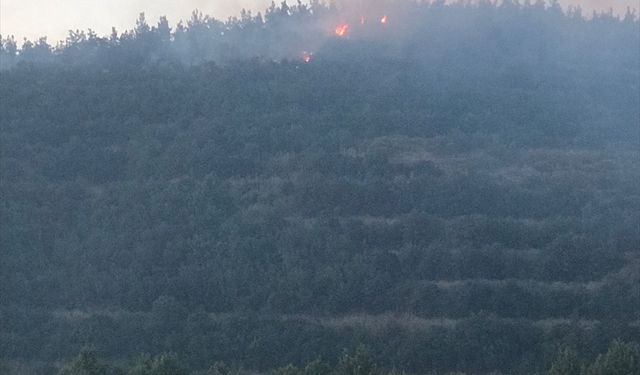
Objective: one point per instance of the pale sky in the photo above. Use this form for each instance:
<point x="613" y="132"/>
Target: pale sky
<point x="53" y="18"/>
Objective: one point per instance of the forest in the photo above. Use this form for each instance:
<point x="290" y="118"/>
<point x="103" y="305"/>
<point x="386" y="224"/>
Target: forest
<point x="419" y="188"/>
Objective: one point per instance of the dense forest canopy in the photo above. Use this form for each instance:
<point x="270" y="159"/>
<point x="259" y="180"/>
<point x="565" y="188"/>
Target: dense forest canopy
<point x="505" y="32"/>
<point x="454" y="187"/>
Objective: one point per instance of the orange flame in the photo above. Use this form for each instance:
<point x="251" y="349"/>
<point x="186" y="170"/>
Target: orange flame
<point x="341" y="30"/>
<point x="384" y="20"/>
<point x="306" y="56"/>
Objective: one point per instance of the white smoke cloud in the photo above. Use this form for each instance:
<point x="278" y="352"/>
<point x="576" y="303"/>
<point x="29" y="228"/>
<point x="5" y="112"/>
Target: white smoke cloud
<point x="35" y="18"/>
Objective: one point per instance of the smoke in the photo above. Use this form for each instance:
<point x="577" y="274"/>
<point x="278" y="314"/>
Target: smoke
<point x="35" y="18"/>
<point x="408" y="30"/>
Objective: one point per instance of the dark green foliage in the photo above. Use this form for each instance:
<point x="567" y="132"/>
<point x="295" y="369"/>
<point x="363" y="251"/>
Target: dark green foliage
<point x="85" y="364"/>
<point x="220" y="368"/>
<point x="289" y="370"/>
<point x="566" y="363"/>
<point x="620" y="359"/>
<point x="356" y="363"/>
<point x="317" y="367"/>
<point x="461" y="198"/>
<point x="163" y="364"/>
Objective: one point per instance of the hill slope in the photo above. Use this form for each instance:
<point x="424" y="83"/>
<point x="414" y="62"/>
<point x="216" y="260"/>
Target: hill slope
<point x="463" y="207"/>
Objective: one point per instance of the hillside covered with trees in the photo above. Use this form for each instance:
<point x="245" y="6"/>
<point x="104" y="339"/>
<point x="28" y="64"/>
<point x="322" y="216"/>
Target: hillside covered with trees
<point x="453" y="189"/>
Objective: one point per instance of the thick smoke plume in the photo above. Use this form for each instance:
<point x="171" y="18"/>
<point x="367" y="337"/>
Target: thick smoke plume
<point x="427" y="32"/>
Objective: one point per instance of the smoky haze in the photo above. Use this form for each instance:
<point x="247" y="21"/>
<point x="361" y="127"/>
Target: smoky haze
<point x="33" y="18"/>
<point x="460" y="181"/>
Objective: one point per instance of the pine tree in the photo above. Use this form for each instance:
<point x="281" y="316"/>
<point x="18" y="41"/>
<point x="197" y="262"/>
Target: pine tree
<point x="566" y="363"/>
<point x="618" y="360"/>
<point x="85" y="364"/>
